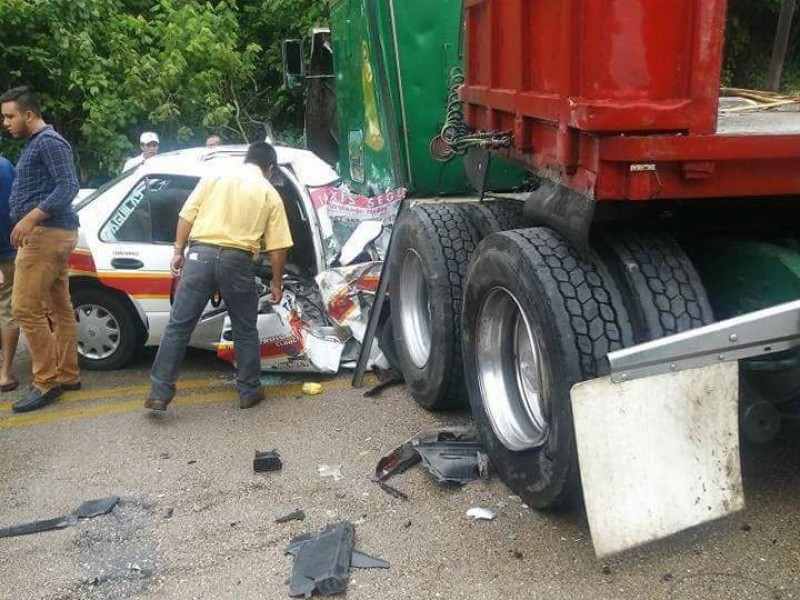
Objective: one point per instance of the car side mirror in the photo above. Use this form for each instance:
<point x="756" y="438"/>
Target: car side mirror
<point x="294" y="65"/>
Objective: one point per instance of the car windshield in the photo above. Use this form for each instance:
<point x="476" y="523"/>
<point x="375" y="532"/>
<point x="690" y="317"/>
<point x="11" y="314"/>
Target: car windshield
<point x="99" y="191"/>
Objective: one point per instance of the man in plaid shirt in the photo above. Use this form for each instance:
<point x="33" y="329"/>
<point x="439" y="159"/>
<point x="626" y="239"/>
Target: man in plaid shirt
<point x="45" y="233"/>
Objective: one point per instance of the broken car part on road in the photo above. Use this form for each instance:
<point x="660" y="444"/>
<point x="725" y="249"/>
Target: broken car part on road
<point x="87" y="510"/>
<point x="267" y="461"/>
<point x="295" y="515"/>
<point x="452" y="455"/>
<point x="322" y="562"/>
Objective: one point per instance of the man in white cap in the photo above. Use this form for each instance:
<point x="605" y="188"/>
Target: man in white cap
<point x="148" y="142"/>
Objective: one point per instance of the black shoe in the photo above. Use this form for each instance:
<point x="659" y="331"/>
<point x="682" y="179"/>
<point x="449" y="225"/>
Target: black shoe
<point x="156" y="404"/>
<point x="251" y="400"/>
<point x="71" y="387"/>
<point x="36" y="399"/>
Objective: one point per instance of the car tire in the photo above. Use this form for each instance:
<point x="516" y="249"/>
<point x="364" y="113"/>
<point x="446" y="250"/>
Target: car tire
<point x="431" y="250"/>
<point x="107" y="334"/>
<point x="537" y="319"/>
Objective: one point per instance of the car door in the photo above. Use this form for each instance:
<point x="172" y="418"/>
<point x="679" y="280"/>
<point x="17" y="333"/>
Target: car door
<point x="136" y="245"/>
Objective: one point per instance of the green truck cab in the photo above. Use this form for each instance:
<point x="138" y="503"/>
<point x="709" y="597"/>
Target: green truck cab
<point x="377" y="86"/>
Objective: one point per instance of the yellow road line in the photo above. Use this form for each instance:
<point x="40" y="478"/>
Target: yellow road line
<point x="29" y="419"/>
<point x="110" y="393"/>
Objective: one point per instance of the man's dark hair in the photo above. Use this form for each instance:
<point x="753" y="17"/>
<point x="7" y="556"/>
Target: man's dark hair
<point x="25" y="99"/>
<point x="262" y="155"/>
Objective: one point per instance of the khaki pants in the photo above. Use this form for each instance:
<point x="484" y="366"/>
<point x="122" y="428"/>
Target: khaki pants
<point x="41" y="289"/>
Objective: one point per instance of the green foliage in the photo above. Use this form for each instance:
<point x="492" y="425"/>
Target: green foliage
<point x="108" y="69"/>
<point x="750" y="35"/>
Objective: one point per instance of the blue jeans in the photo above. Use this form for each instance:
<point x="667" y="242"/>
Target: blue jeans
<point x="206" y="270"/>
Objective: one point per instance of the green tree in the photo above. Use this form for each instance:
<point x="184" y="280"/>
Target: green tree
<point x="108" y="69"/>
<point x="750" y="36"/>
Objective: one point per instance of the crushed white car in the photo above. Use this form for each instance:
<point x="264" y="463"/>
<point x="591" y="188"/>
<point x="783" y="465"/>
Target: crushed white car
<point x="121" y="284"/>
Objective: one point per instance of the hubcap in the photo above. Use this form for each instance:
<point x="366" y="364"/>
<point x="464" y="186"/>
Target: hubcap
<point x="415" y="309"/>
<point x="98" y="332"/>
<point x="510" y="373"/>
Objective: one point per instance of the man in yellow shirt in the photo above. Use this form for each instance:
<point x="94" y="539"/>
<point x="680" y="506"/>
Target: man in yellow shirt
<point x="223" y="222"/>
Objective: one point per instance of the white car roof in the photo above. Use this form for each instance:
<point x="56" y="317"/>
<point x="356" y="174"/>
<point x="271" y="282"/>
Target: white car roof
<point x="309" y="169"/>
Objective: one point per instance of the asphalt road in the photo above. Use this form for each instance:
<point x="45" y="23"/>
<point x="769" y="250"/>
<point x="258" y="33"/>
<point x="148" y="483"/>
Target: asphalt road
<point x="196" y="522"/>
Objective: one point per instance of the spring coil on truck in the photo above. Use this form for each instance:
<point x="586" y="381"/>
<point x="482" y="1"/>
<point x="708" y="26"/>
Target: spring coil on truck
<point x="455" y="137"/>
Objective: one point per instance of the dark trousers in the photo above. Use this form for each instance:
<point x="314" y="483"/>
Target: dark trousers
<point x="206" y="270"/>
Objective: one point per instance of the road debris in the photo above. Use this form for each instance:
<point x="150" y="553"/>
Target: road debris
<point x="387" y="378"/>
<point x="392" y="491"/>
<point x="311" y="388"/>
<point x="452" y="455"/>
<point x="87" y="510"/>
<point x="334" y="471"/>
<point x="295" y="515"/>
<point x="481" y="514"/>
<point x="454" y="461"/>
<point x="322" y="562"/>
<point x="267" y="461"/>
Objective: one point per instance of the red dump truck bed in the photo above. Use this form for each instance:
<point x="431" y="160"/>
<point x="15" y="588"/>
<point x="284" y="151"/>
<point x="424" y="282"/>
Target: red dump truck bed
<point x="619" y="99"/>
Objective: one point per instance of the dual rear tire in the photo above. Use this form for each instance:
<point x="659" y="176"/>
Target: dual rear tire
<point x="537" y="320"/>
<point x="511" y="322"/>
<point x="529" y="289"/>
<point x="432" y="248"/>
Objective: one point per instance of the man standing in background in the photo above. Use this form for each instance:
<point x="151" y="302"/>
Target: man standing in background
<point x="213" y="141"/>
<point x="148" y="142"/>
<point x="9" y="330"/>
<point x="45" y="233"/>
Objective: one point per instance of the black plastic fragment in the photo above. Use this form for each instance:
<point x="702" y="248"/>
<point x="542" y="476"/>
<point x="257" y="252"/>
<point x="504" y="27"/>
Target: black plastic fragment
<point x="392" y="491"/>
<point x="87" y="510"/>
<point x="397" y="461"/>
<point x="322" y="562"/>
<point x="95" y="508"/>
<point x="452" y="461"/>
<point x="388" y="379"/>
<point x="37" y="526"/>
<point x="452" y="455"/>
<point x="267" y="461"/>
<point x="361" y="560"/>
<point x="295" y="515"/>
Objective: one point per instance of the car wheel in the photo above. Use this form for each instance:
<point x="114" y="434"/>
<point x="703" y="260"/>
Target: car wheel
<point x="107" y="335"/>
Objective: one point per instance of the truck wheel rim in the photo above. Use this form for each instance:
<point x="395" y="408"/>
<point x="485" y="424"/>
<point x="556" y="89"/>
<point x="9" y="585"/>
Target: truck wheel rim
<point x="510" y="373"/>
<point x="98" y="332"/>
<point x="415" y="310"/>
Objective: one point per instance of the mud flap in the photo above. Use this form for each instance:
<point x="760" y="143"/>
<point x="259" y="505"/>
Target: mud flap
<point x="658" y="455"/>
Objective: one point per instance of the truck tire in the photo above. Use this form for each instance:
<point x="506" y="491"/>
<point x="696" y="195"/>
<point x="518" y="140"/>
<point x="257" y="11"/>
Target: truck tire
<point x="431" y="250"/>
<point x="107" y="334"/>
<point x="537" y="319"/>
<point x="661" y="289"/>
<point x="493" y="216"/>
